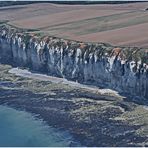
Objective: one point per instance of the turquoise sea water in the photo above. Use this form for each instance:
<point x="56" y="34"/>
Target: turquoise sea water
<point x="19" y="128"/>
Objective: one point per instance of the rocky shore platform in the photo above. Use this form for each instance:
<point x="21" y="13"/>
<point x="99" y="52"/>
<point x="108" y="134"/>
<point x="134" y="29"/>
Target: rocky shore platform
<point x="92" y="117"/>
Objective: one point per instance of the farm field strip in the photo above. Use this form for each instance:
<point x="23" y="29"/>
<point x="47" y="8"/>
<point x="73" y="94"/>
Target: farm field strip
<point x="123" y="24"/>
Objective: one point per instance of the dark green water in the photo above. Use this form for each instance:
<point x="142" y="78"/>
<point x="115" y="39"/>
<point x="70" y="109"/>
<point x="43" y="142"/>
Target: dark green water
<point x="19" y="128"/>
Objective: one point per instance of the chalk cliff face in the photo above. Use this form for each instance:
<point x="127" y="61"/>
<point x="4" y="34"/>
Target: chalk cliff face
<point x="122" y="69"/>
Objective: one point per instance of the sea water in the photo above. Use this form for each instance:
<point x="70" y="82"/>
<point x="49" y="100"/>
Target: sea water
<point x="19" y="128"/>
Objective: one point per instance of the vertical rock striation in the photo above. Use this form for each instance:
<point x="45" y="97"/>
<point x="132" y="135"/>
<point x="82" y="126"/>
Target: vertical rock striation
<point x="119" y="68"/>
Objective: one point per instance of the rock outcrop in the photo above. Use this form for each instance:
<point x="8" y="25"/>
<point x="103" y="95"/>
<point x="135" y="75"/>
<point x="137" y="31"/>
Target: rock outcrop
<point x="120" y="68"/>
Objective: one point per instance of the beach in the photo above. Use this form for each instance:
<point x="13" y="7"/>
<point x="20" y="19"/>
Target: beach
<point x="90" y="117"/>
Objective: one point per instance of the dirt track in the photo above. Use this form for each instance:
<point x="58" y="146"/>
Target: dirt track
<point x="124" y="24"/>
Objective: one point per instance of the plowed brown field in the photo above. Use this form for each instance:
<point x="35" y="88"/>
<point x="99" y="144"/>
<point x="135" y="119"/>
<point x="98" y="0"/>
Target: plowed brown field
<point x="124" y="24"/>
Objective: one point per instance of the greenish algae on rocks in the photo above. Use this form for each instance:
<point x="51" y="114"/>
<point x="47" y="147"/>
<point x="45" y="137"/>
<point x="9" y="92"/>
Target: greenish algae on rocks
<point x="92" y="118"/>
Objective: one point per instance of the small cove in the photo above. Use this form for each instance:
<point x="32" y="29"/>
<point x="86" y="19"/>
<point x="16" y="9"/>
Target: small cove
<point x="20" y="128"/>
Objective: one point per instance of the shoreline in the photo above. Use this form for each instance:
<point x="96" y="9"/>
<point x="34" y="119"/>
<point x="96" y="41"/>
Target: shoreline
<point x="27" y="74"/>
<point x="80" y="68"/>
<point x="90" y="117"/>
<point x="31" y="130"/>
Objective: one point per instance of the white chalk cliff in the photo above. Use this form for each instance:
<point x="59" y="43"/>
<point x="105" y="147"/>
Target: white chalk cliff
<point x="120" y="68"/>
